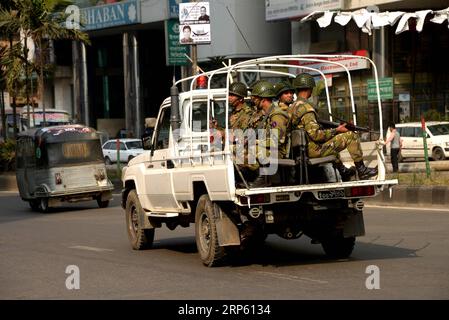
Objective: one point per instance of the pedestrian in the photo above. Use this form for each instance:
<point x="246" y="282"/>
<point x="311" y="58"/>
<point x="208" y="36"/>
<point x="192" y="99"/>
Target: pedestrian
<point x="325" y="142"/>
<point x="395" y="141"/>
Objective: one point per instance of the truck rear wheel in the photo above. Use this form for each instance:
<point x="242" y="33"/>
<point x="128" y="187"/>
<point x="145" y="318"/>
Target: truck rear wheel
<point x="338" y="247"/>
<point x="206" y="232"/>
<point x="140" y="238"/>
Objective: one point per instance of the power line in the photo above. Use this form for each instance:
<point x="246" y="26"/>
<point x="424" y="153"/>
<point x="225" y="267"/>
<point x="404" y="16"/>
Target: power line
<point x="238" y="28"/>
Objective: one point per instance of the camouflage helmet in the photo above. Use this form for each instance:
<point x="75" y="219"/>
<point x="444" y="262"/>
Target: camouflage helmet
<point x="238" y="89"/>
<point x="304" y="81"/>
<point x="283" y="86"/>
<point x="253" y="84"/>
<point x="263" y="89"/>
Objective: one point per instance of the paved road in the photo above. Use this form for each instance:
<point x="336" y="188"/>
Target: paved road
<point x="410" y="247"/>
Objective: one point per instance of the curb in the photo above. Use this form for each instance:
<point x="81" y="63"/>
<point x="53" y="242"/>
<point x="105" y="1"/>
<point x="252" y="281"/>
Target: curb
<point x="421" y="196"/>
<point x="8" y="182"/>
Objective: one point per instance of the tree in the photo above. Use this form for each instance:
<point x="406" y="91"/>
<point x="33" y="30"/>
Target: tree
<point x="42" y="21"/>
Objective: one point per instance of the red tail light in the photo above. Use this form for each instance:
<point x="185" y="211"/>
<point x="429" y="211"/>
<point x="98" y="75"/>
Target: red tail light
<point x="257" y="198"/>
<point x="362" y="191"/>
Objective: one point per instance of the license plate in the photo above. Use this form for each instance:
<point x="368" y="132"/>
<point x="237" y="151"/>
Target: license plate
<point x="331" y="194"/>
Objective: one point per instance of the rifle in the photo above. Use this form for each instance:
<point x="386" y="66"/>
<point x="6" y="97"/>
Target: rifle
<point x="350" y="126"/>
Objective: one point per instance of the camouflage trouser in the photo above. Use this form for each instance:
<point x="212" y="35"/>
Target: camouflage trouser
<point x="246" y="158"/>
<point x="348" y="140"/>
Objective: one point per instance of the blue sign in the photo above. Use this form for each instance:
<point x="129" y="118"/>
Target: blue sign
<point x="173" y="8"/>
<point x="110" y="15"/>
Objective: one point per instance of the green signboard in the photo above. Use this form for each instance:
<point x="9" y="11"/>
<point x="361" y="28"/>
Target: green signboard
<point x="175" y="52"/>
<point x="385" y="88"/>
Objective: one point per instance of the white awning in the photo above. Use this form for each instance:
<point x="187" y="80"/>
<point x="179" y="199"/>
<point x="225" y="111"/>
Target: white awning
<point x="367" y="21"/>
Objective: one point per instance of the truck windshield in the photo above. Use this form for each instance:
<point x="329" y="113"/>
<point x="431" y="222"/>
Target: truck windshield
<point x="74" y="152"/>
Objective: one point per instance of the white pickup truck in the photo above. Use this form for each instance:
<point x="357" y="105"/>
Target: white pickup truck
<point x="183" y="179"/>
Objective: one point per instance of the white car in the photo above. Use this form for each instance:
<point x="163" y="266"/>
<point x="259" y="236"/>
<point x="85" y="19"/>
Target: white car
<point x="129" y="148"/>
<point x="412" y="141"/>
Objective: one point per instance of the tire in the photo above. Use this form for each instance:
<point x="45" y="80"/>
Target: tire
<point x="107" y="161"/>
<point x="102" y="204"/>
<point x="438" y="154"/>
<point x="338" y="247"/>
<point x="139" y="238"/>
<point x="34" y="205"/>
<point x="43" y="205"/>
<point x="206" y="233"/>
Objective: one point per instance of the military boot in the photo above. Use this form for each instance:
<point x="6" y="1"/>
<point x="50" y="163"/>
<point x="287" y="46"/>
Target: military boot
<point x="345" y="173"/>
<point x="365" y="172"/>
<point x="261" y="181"/>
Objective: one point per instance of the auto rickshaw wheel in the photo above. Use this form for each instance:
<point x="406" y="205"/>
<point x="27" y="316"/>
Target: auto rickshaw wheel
<point x="43" y="205"/>
<point x="102" y="204"/>
<point x="34" y="205"/>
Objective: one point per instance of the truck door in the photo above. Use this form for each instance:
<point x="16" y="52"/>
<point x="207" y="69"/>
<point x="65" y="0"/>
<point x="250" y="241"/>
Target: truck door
<point x="158" y="176"/>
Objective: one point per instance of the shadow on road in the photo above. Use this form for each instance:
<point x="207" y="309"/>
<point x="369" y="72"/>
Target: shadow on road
<point x="278" y="252"/>
<point x="181" y="244"/>
<point x="14" y="209"/>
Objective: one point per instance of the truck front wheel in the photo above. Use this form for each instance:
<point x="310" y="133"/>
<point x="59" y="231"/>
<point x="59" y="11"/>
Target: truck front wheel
<point x="338" y="247"/>
<point x="140" y="238"/>
<point x="206" y="232"/>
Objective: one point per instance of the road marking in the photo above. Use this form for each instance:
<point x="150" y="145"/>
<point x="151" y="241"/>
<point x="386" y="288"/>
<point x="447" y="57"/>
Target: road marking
<point x="406" y="208"/>
<point x="90" y="248"/>
<point x="292" y="277"/>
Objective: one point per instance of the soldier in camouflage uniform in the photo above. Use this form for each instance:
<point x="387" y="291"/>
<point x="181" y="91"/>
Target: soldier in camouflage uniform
<point x="284" y="93"/>
<point x="241" y="112"/>
<point x="270" y="118"/>
<point x="325" y="142"/>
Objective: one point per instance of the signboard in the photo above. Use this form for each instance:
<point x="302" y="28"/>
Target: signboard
<point x="175" y="53"/>
<point x="385" y="88"/>
<point x="352" y="63"/>
<point x="287" y="9"/>
<point x="173" y="8"/>
<point x="328" y="79"/>
<point x="110" y="15"/>
<point x="194" y="23"/>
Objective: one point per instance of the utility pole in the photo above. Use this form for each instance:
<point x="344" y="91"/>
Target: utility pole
<point x="27" y="79"/>
<point x="194" y="53"/>
<point x="193" y="48"/>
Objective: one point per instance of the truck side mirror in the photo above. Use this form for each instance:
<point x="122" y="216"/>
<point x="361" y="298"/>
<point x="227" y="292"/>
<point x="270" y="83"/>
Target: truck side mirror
<point x="146" y="141"/>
